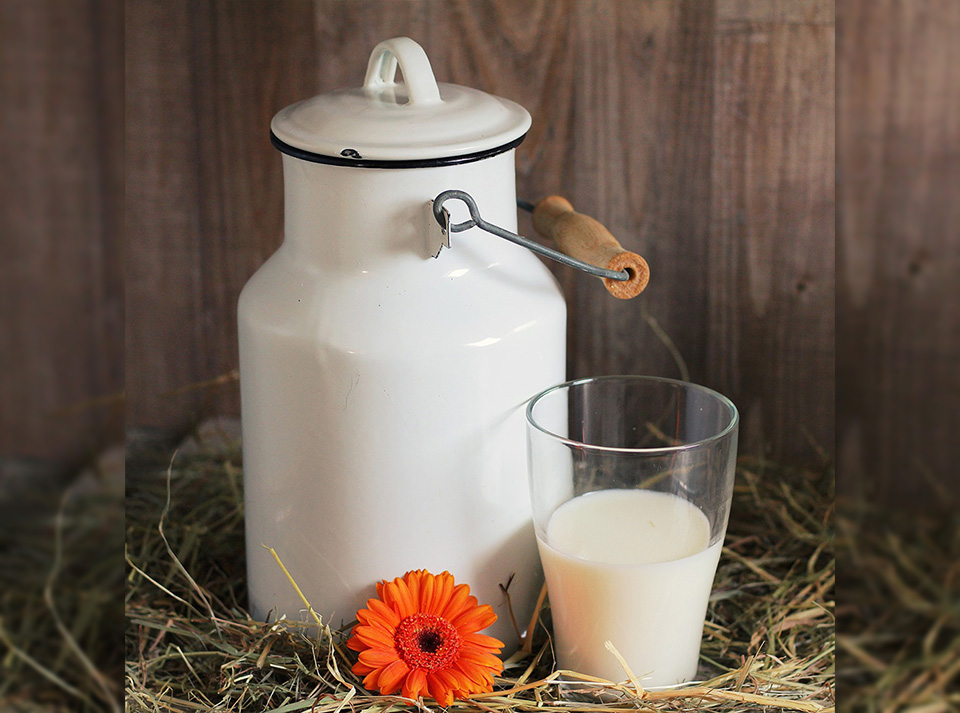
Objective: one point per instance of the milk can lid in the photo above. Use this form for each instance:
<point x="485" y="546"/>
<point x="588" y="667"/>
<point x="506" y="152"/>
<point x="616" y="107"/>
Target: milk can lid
<point x="411" y="123"/>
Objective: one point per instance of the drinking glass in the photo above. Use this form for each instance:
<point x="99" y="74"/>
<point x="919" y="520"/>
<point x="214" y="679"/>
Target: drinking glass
<point x="631" y="479"/>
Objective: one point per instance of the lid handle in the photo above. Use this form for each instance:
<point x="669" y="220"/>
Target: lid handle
<point x="417" y="73"/>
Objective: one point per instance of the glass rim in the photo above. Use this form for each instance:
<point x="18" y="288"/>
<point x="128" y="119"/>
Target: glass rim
<point x="723" y="433"/>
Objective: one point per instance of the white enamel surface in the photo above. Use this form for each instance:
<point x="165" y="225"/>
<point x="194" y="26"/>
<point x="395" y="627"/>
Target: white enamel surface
<point x="409" y="57"/>
<point x="383" y="391"/>
<point x="633" y="567"/>
<point x="407" y="120"/>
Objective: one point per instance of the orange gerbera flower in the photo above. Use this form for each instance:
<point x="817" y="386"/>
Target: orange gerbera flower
<point x="421" y="636"/>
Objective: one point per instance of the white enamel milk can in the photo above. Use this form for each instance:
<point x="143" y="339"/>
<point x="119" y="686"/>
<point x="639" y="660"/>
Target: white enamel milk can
<point x="383" y="380"/>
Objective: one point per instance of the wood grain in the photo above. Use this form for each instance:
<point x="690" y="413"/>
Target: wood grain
<point x="898" y="254"/>
<point x="637" y="115"/>
<point x="640" y="163"/>
<point x="164" y="342"/>
<point x="700" y="133"/>
<point x="771" y="253"/>
<point x="204" y="191"/>
<point x="61" y="291"/>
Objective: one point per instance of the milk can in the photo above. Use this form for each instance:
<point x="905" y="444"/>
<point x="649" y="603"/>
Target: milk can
<point x="383" y="379"/>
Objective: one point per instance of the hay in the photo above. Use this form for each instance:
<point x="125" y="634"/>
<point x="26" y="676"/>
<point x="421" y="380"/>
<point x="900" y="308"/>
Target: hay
<point x="191" y="645"/>
<point x="61" y="586"/>
<point x="900" y="613"/>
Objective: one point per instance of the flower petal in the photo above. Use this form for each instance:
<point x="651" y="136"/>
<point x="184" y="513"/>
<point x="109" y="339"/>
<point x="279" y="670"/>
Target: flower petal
<point x="439" y="690"/>
<point x="375" y="621"/>
<point x="443" y="588"/>
<point x="378" y="657"/>
<point x="477" y="678"/>
<point x="383" y="612"/>
<point x="361" y="669"/>
<point x="458" y="602"/>
<point x="427" y="583"/>
<point x="372" y="637"/>
<point x="415" y="685"/>
<point x="452" y="678"/>
<point x="413" y="581"/>
<point x="372" y="679"/>
<point x="392" y="676"/>
<point x="481" y="658"/>
<point x="475" y="619"/>
<point x="484" y="641"/>
<point x="396" y="595"/>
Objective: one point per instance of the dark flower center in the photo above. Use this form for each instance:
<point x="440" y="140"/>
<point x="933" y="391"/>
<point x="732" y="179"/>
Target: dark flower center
<point x="430" y="641"/>
<point x="427" y="641"/>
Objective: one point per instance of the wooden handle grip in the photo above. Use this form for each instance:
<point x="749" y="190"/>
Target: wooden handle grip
<point x="584" y="238"/>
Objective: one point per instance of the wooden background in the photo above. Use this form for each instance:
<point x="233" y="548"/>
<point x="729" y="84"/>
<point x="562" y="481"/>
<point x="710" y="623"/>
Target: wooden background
<point x="61" y="232"/>
<point x="701" y="132"/>
<point x="898" y="255"/>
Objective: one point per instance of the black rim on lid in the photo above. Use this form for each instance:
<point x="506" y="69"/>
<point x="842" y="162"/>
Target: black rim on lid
<point x="350" y="157"/>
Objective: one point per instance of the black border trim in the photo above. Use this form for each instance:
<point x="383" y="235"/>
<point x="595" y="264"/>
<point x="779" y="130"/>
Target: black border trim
<point x="304" y="155"/>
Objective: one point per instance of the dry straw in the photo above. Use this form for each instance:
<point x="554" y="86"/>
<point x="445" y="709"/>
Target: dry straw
<point x="768" y="644"/>
<point x="61" y="582"/>
<point x="900" y="613"/>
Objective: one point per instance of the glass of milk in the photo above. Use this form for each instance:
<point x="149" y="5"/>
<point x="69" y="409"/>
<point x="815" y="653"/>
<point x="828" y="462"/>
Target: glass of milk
<point x="631" y="479"/>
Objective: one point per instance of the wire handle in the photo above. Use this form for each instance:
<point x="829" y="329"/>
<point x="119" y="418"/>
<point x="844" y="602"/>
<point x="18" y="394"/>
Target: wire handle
<point x="575" y="233"/>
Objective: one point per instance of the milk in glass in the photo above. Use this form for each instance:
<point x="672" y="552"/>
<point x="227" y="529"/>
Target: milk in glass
<point x="634" y="567"/>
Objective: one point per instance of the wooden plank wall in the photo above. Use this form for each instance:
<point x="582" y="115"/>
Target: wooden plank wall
<point x="61" y="229"/>
<point x="899" y="250"/>
<point x="771" y="244"/>
<point x="701" y="133"/>
<point x="204" y="201"/>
